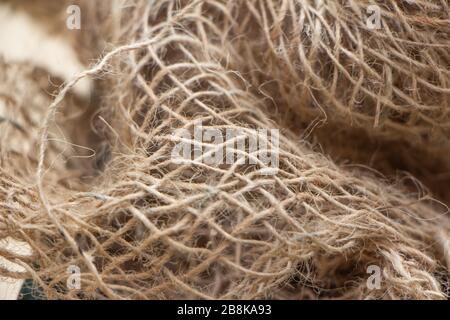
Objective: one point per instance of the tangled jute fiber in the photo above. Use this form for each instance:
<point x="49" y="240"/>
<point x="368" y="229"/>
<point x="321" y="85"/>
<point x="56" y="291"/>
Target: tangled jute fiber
<point x="325" y="70"/>
<point x="263" y="54"/>
<point x="322" y="59"/>
<point x="150" y="227"/>
<point x="395" y="159"/>
<point x="25" y="93"/>
<point x="22" y="109"/>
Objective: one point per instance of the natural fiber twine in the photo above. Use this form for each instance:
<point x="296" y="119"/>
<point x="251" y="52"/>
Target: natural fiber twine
<point x="320" y="59"/>
<point x="320" y="66"/>
<point x="25" y="94"/>
<point x="395" y="159"/>
<point x="23" y="102"/>
<point x="147" y="227"/>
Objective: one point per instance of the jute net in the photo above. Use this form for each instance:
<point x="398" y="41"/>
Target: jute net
<point x="327" y="67"/>
<point x="326" y="57"/>
<point x="147" y="226"/>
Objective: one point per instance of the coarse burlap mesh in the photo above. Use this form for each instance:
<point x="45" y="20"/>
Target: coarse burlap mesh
<point x="321" y="57"/>
<point x="147" y="226"/>
<point x="382" y="93"/>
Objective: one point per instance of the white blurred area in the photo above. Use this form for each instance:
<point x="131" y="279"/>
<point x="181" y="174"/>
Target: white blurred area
<point x="23" y="39"/>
